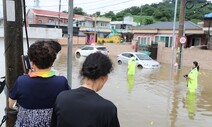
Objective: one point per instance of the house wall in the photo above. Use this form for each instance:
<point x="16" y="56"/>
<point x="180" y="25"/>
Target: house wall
<point x="88" y="24"/>
<point x="143" y="35"/>
<point x="45" y="19"/>
<point x="106" y="25"/>
<point x="189" y="55"/>
<point x="202" y="37"/>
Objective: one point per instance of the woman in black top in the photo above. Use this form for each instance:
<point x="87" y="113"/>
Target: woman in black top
<point x="83" y="107"/>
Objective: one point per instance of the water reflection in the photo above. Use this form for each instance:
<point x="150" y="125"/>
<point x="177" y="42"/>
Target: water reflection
<point x="190" y="104"/>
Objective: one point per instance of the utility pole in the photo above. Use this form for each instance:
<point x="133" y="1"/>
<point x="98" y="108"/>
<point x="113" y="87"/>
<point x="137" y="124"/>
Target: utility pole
<point x="70" y="41"/>
<point x="59" y="14"/>
<point x="95" y="30"/>
<point x="180" y="33"/>
<point x="13" y="42"/>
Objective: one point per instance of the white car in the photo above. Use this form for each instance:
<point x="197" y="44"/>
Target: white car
<point x="142" y="60"/>
<point x="88" y="49"/>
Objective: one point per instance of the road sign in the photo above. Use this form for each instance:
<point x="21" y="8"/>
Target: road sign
<point x="183" y="39"/>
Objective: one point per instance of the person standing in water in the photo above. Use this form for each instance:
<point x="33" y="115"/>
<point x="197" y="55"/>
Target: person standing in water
<point x="192" y="77"/>
<point x="131" y="65"/>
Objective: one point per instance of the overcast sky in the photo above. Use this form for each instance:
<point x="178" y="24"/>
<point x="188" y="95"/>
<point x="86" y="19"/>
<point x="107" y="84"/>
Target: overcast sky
<point x="89" y="6"/>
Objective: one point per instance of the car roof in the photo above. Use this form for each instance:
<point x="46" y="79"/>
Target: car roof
<point x="93" y="46"/>
<point x="134" y="53"/>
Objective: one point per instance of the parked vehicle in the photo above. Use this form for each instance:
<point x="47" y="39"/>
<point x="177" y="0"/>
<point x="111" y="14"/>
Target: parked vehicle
<point x="88" y="49"/>
<point x="142" y="60"/>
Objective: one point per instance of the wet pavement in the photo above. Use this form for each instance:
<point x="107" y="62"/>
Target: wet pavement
<point x="153" y="98"/>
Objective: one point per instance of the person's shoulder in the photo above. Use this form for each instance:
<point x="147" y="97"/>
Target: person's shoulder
<point x="23" y="77"/>
<point x="107" y="103"/>
<point x="60" y="78"/>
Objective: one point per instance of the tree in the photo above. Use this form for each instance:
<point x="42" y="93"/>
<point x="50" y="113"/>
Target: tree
<point x="163" y="13"/>
<point x="64" y="11"/>
<point x="120" y="16"/>
<point x="111" y="15"/>
<point x="79" y="10"/>
<point x="147" y="10"/>
<point x="98" y="13"/>
<point x="148" y="20"/>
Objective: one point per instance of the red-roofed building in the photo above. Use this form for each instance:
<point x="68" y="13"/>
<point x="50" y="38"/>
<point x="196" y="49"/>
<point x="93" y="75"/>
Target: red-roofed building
<point x="38" y="16"/>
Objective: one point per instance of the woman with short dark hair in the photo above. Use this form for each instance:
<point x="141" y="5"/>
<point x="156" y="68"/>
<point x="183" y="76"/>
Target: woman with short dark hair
<point x="36" y="92"/>
<point x="83" y="107"/>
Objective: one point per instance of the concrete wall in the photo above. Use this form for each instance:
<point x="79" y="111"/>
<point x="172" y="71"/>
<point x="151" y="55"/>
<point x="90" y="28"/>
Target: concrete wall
<point x="76" y="40"/>
<point x="203" y="57"/>
<point x="115" y="48"/>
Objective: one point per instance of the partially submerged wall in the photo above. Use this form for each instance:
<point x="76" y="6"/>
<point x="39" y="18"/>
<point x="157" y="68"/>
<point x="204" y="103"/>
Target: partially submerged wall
<point x="203" y="57"/>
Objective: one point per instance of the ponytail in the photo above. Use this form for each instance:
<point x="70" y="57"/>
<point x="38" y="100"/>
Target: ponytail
<point x="196" y="65"/>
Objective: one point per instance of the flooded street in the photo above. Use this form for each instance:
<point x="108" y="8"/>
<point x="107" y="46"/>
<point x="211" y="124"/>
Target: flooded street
<point x="153" y="98"/>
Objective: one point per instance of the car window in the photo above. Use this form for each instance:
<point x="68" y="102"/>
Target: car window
<point x="126" y="55"/>
<point x="143" y="57"/>
<point x="101" y="48"/>
<point x="90" y="48"/>
<point x="85" y="48"/>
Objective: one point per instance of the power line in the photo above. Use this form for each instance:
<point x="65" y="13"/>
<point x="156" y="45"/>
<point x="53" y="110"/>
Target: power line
<point x="113" y="4"/>
<point x="94" y="2"/>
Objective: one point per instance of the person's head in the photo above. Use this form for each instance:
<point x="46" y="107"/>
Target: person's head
<point x="56" y="46"/>
<point x="196" y="65"/>
<point x="95" y="66"/>
<point x="41" y="54"/>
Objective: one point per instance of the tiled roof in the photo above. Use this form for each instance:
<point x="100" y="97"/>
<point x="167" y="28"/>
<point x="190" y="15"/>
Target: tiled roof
<point x="53" y="13"/>
<point x="169" y="25"/>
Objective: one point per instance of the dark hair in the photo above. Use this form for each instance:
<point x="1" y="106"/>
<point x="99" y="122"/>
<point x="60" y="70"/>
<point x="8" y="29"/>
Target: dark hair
<point x="196" y="65"/>
<point x="56" y="46"/>
<point x="131" y="55"/>
<point x="42" y="54"/>
<point x="95" y="66"/>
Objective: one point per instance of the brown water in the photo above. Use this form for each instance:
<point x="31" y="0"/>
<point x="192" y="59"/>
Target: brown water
<point x="155" y="98"/>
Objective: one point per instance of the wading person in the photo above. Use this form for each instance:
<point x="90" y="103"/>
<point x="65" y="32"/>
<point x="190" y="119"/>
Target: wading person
<point x="36" y="92"/>
<point x="131" y="66"/>
<point x="192" y="77"/>
<point x="83" y="107"/>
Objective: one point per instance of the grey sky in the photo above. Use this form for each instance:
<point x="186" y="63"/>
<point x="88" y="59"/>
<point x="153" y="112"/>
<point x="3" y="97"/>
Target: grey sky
<point x="89" y="6"/>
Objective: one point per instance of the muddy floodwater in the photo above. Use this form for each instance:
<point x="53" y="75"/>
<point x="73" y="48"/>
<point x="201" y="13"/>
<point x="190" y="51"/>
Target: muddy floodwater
<point x="154" y="97"/>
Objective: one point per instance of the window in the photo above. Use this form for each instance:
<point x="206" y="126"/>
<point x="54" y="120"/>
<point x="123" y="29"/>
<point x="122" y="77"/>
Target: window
<point x="126" y="55"/>
<point x="196" y="41"/>
<point x="166" y="39"/>
<point x="82" y="23"/>
<point x="103" y="24"/>
<point x="87" y="48"/>
<point x="101" y="48"/>
<point x="143" y="57"/>
<point x="144" y="40"/>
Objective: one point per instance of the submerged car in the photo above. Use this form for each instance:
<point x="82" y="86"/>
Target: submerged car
<point x="142" y="60"/>
<point x="88" y="49"/>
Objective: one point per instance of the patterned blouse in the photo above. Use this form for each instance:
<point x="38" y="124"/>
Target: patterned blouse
<point x="33" y="117"/>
